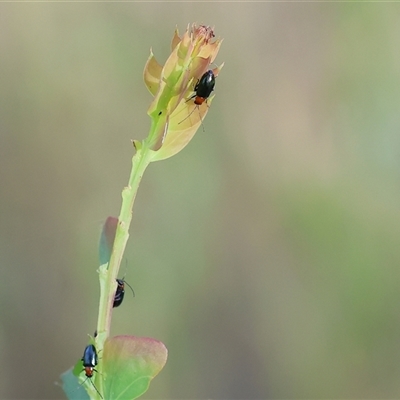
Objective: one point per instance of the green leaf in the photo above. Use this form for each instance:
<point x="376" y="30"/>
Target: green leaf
<point x="183" y="124"/>
<point x="129" y="364"/>
<point x="78" y="368"/>
<point x="71" y="386"/>
<point x="107" y="239"/>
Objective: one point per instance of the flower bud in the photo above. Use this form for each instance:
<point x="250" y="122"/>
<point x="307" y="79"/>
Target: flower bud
<point x="173" y="84"/>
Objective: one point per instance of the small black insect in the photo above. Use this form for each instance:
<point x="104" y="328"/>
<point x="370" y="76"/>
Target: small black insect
<point x="120" y="292"/>
<point x="89" y="361"/>
<point x="203" y="89"/>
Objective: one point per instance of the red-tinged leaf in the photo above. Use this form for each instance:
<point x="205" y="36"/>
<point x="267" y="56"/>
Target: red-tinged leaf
<point x="152" y="74"/>
<point x="107" y="239"/>
<point x="129" y="364"/>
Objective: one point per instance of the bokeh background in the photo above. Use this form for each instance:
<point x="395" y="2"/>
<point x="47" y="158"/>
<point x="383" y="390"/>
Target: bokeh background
<point x="265" y="255"/>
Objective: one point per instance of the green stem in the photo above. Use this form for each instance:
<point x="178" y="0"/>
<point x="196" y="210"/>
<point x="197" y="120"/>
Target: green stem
<point x="108" y="274"/>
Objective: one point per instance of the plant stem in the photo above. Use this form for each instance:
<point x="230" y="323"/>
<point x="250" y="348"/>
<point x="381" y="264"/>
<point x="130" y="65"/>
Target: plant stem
<point x="108" y="274"/>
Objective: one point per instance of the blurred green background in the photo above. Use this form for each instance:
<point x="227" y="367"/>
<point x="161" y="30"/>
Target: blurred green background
<point x="265" y="255"/>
